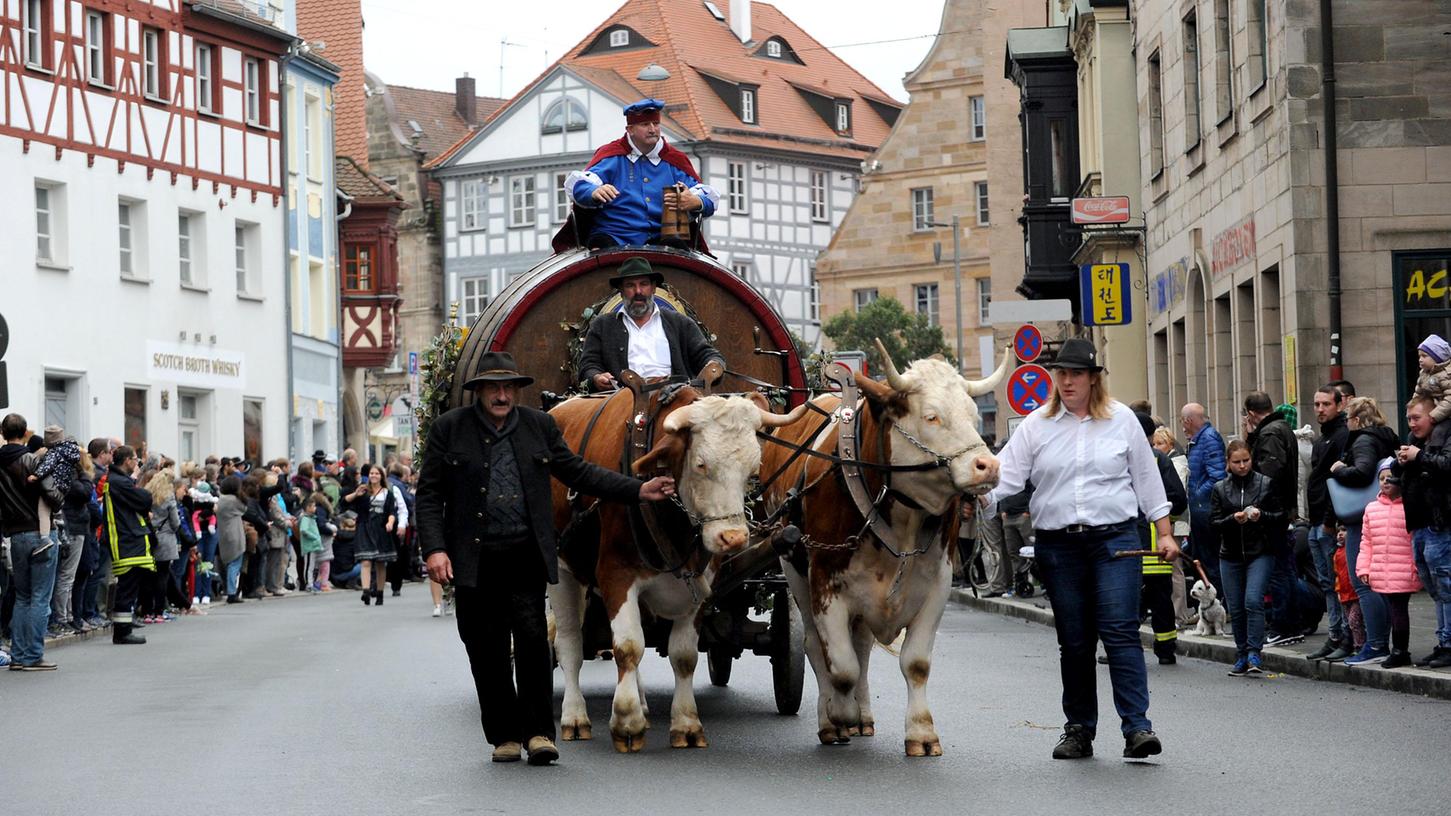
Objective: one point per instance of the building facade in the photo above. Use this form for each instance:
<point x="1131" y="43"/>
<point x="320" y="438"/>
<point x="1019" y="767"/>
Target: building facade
<point x="1259" y="207"/>
<point x="142" y="148"/>
<point x="776" y="123"/>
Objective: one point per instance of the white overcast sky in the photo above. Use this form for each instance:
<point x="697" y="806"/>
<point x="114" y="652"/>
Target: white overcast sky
<point x="427" y="43"/>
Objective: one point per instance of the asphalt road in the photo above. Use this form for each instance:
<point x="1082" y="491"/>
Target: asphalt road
<point x="322" y="705"/>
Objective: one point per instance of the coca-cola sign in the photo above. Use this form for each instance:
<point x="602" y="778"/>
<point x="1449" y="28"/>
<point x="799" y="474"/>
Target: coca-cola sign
<point x="1101" y="210"/>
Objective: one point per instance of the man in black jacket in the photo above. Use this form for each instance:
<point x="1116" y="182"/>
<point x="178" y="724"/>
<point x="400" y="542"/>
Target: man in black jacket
<point x="32" y="558"/>
<point x="1424" y="466"/>
<point x="1330" y="411"/>
<point x="641" y="336"/>
<point x="486" y="524"/>
<point x="127" y="510"/>
<point x="1276" y="454"/>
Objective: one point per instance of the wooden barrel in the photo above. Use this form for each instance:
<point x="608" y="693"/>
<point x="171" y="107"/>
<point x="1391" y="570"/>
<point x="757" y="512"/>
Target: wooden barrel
<point x="532" y="319"/>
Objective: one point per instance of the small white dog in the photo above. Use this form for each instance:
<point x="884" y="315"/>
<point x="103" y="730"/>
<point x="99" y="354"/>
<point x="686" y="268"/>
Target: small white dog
<point x="1212" y="617"/>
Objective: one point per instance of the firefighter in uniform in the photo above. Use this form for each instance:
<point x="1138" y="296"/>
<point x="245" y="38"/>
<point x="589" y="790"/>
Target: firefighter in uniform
<point x="1158" y="591"/>
<point x="127" y="508"/>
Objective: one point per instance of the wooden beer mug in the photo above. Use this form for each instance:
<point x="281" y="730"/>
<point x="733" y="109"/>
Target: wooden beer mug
<point x="675" y="222"/>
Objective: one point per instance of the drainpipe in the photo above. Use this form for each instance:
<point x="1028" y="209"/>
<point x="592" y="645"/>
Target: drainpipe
<point x="1332" y="184"/>
<point x="287" y="255"/>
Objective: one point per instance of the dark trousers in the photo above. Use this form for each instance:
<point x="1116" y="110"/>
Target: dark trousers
<point x="1204" y="546"/>
<point x="128" y="590"/>
<point x="1159" y="598"/>
<point x="509" y="601"/>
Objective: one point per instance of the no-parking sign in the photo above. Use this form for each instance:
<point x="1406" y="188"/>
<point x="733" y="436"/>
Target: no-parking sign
<point x="1028" y="342"/>
<point x="1028" y="388"/>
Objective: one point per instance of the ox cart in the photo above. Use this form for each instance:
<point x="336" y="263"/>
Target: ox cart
<point x="540" y="317"/>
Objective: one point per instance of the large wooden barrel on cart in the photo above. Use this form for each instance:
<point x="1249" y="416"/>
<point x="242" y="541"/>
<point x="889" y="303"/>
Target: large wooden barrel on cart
<point x="539" y="314"/>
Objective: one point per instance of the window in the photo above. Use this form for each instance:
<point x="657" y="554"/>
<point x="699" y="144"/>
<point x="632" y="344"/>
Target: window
<point x="979" y="117"/>
<point x="35" y="34"/>
<point x="984" y="299"/>
<point x="561" y="198"/>
<point x="358" y="268"/>
<point x="184" y="249"/>
<point x="814" y="307"/>
<point x="819" y="208"/>
<point x="566" y="114"/>
<point x="773" y="49"/>
<point x="861" y="298"/>
<point x="1257" y="65"/>
<point x="619" y="37"/>
<point x="922" y="209"/>
<point x="98" y="33"/>
<point x="1058" y="150"/>
<point x="245" y="245"/>
<point x="736" y="187"/>
<point x="57" y="402"/>
<point x="188" y="427"/>
<point x="475" y="297"/>
<point x="1223" y="67"/>
<point x="926" y="295"/>
<point x="1156" y="116"/>
<point x="748" y="106"/>
<point x="44" y="225"/>
<point x="843" y="117"/>
<point x="1191" y="81"/>
<point x="153" y="63"/>
<point x="252" y="91"/>
<point x="742" y="268"/>
<point x="313" y="136"/>
<point x="979" y="190"/>
<point x="521" y="201"/>
<point x="126" y="260"/>
<point x="134" y="421"/>
<point x="205" y="89"/>
<point x="472" y="205"/>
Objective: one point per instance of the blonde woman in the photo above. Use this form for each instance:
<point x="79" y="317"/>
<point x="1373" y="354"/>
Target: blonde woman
<point x="164" y="526"/>
<point x="1369" y="442"/>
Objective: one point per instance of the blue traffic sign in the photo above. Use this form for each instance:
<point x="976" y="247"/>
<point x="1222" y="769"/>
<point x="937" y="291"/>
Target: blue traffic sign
<point x="1028" y="343"/>
<point x="1028" y="388"/>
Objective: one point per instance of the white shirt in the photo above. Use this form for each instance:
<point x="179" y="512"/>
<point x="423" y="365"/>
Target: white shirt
<point x="635" y="154"/>
<point x="649" y="353"/>
<point x="1084" y="471"/>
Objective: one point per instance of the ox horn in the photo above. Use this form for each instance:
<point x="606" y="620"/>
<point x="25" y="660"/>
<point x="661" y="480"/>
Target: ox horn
<point x="893" y="378"/>
<point x="770" y="420"/>
<point x="976" y="388"/>
<point x="679" y="420"/>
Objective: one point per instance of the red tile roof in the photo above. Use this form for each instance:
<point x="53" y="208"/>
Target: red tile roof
<point x="685" y="33"/>
<point x="359" y="183"/>
<point x="339" y="23"/>
<point x="436" y="114"/>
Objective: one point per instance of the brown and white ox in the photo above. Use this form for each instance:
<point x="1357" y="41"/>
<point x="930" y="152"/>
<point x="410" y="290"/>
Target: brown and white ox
<point x="851" y="596"/>
<point x="709" y="444"/>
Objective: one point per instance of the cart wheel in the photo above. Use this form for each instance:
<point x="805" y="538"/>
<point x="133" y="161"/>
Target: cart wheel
<point x="788" y="653"/>
<point x="719" y="661"/>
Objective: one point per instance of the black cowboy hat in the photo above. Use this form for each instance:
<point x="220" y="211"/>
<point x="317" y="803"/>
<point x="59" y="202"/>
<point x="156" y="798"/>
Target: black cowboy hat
<point x="636" y="268"/>
<point x="497" y="366"/>
<point x="1076" y="353"/>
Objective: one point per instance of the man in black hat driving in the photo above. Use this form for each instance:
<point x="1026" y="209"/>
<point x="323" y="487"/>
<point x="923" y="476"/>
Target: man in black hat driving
<point x="485" y="524"/>
<point x="640" y="336"/>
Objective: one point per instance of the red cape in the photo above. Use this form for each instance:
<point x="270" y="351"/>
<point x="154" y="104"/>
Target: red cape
<point x="565" y="239"/>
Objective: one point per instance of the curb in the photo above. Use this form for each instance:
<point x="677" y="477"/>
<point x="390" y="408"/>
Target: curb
<point x="1408" y="680"/>
<point x="81" y="637"/>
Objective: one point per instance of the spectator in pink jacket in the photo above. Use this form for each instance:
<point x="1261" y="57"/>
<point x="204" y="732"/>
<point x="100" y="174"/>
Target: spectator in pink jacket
<point x="1387" y="561"/>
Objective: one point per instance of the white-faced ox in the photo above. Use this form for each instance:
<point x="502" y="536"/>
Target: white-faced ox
<point x="857" y="583"/>
<point x="709" y="444"/>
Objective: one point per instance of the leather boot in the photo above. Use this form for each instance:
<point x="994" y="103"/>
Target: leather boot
<point x="378" y="597"/>
<point x="123" y="634"/>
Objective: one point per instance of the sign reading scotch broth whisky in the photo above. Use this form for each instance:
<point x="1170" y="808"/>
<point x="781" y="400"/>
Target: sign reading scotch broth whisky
<point x="194" y="365"/>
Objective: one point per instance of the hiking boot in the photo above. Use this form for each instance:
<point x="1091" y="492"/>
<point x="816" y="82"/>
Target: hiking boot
<point x="1330" y="645"/>
<point x="1367" y="656"/>
<point x="1442" y="660"/>
<point x="1435" y="653"/>
<point x="542" y="751"/>
<point x="1341" y="652"/>
<point x="1240" y="667"/>
<point x="1074" y="744"/>
<point x="507" y="752"/>
<point x="1398" y="658"/>
<point x="1141" y="745"/>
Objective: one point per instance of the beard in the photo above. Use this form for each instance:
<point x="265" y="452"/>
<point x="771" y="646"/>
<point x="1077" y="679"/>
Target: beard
<point x="639" y="308"/>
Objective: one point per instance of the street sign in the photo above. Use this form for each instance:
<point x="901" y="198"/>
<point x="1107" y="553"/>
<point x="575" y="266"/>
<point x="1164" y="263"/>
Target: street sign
<point x="1028" y="388"/>
<point x="1029" y="311"/>
<point x="413" y="364"/>
<point x="1028" y="343"/>
<point x="1105" y="292"/>
<point x="1101" y="210"/>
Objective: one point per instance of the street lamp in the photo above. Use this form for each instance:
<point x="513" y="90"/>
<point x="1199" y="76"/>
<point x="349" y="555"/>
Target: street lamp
<point x="956" y="277"/>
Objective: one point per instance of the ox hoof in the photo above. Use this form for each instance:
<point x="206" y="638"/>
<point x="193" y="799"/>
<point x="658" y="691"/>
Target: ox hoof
<point x="629" y="744"/>
<point x="688" y="738"/>
<point x="579" y="731"/>
<point x="833" y="736"/>
<point x="868" y="730"/>
<point x="917" y="748"/>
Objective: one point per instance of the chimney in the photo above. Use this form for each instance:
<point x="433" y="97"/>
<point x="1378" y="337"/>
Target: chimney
<point x="741" y="19"/>
<point x="465" y="101"/>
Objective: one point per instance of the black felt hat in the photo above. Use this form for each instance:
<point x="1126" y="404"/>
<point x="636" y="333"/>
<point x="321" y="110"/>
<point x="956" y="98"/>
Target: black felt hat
<point x="1077" y="353"/>
<point x="636" y="268"/>
<point x="497" y="366"/>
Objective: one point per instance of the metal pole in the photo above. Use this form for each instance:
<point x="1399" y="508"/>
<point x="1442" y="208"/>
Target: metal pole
<point x="957" y="284"/>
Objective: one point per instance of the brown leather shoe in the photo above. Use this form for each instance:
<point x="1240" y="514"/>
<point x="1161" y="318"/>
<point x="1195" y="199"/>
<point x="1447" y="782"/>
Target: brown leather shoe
<point x="542" y="751"/>
<point x="507" y="752"/>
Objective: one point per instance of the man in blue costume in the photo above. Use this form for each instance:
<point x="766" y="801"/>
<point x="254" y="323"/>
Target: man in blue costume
<point x="631" y="181"/>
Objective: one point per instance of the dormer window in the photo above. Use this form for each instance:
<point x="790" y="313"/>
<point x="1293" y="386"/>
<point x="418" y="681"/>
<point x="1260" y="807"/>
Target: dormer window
<point x="619" y="37"/>
<point x="777" y="48"/>
<point x="773" y="49"/>
<point x="748" y="106"/>
<point x="565" y="114"/>
<point x="843" y="117"/>
<point x="615" y="38"/>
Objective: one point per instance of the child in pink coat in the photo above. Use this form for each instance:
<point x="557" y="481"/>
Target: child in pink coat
<point x="1387" y="561"/>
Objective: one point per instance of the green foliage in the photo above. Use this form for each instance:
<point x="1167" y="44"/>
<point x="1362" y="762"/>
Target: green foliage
<point x="435" y="380"/>
<point x="906" y="336"/>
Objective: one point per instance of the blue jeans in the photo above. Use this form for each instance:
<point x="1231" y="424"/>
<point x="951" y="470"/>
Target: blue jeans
<point x="1372" y="606"/>
<point x="34" y="582"/>
<point x="1433" y="563"/>
<point x="1322" y="550"/>
<point x="1096" y="597"/>
<point x="234" y="574"/>
<point x="1244" y="598"/>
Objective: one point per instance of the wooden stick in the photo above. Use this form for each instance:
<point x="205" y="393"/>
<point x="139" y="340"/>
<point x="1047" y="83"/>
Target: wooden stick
<point x="1136" y="554"/>
<point x="1200" y="567"/>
